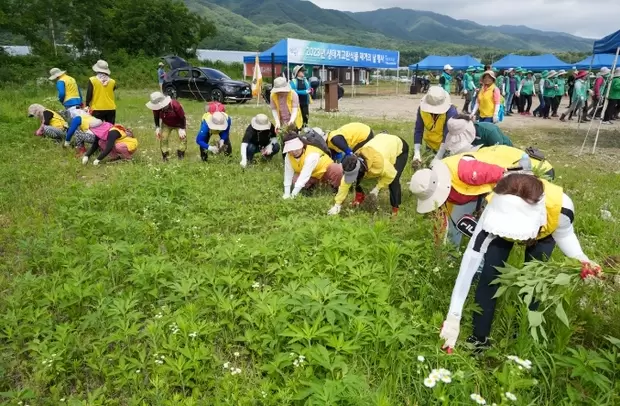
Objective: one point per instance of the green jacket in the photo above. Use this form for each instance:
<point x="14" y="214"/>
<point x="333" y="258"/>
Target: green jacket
<point x="499" y="82"/>
<point x="488" y="134"/>
<point x="527" y="86"/>
<point x="561" y="82"/>
<point x="549" y="89"/>
<point x="468" y="82"/>
<point x="447" y="82"/>
<point x="614" y="91"/>
<point x="477" y="79"/>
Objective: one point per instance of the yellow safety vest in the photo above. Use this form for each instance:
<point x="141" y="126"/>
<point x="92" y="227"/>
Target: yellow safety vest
<point x="57" y="121"/>
<point x="433" y="129"/>
<point x="299" y="122"/>
<point x="319" y="170"/>
<point x="132" y="143"/>
<point x="486" y="102"/>
<point x="500" y="155"/>
<point x="86" y="120"/>
<point x="553" y="204"/>
<point x="103" y="96"/>
<point x="353" y="133"/>
<point x="71" y="87"/>
<point x="207" y="116"/>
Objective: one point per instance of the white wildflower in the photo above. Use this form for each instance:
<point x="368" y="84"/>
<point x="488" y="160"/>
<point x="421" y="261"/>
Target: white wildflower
<point x="159" y="315"/>
<point x="446" y="379"/>
<point x="430" y="382"/>
<point x="62" y="400"/>
<point x="478" y="399"/>
<point x="226" y="365"/>
<point x="435" y="375"/>
<point x="256" y="285"/>
<point x="236" y="354"/>
<point x="193" y="334"/>
<point x="421" y="358"/>
<point x="292" y="354"/>
<point x="137" y="371"/>
<point x="510" y="396"/>
<point x="264" y="394"/>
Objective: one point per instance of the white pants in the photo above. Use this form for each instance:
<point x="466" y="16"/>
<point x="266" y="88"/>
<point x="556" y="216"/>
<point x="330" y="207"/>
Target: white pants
<point x="75" y="111"/>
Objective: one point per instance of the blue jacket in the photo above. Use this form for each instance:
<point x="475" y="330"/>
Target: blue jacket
<point x="75" y="102"/>
<point x="76" y="122"/>
<point x="204" y="135"/>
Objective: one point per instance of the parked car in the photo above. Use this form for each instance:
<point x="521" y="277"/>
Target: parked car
<point x="207" y="84"/>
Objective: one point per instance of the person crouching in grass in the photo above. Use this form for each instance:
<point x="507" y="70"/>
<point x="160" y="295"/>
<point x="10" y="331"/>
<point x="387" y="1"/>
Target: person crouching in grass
<point x="218" y="124"/>
<point x="115" y="141"/>
<point x="260" y="136"/>
<point x="305" y="166"/>
<point x="53" y="125"/>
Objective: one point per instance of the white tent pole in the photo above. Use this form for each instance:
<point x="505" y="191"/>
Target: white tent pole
<point x="595" y="109"/>
<point x="321" y="84"/>
<point x="377" y="79"/>
<point x="352" y="81"/>
<point x="605" y="105"/>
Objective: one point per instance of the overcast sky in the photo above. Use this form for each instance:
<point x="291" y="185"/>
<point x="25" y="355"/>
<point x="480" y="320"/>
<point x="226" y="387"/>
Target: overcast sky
<point x="585" y="18"/>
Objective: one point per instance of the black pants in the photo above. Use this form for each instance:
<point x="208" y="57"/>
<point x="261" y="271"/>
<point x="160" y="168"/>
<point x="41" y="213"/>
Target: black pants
<point x="526" y="100"/>
<point x="596" y="109"/>
<point x="399" y="165"/>
<point x="558" y="101"/>
<point x="497" y="254"/>
<point x="518" y="101"/>
<point x="108" y="116"/>
<point x="305" y="113"/>
<point x="548" y="106"/>
<point x="467" y="102"/>
<point x="611" y="110"/>
<point x="228" y="152"/>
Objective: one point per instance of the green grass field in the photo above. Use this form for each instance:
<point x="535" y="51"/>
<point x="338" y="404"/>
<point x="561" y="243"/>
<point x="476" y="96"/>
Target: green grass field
<point x="195" y="284"/>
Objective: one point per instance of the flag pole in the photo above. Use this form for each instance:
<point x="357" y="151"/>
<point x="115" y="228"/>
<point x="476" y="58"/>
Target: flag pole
<point x="257" y="70"/>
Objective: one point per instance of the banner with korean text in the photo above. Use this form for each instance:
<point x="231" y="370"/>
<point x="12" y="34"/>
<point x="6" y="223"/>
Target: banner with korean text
<point x="320" y="53"/>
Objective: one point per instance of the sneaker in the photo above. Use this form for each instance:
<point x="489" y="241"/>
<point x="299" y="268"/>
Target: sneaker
<point x="478" y="345"/>
<point x="607" y="122"/>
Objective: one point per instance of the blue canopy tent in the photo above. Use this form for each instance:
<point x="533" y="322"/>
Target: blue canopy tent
<point x="279" y="50"/>
<point x="436" y="62"/>
<point x="536" y="63"/>
<point x="596" y="61"/>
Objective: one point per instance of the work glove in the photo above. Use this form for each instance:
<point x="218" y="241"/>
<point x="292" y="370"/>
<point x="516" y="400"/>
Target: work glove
<point x="504" y="93"/>
<point x="417" y="156"/>
<point x="295" y="192"/>
<point x="465" y="91"/>
<point x="495" y="119"/>
<point x="334" y="210"/>
<point x="182" y="134"/>
<point x="268" y="150"/>
<point x="590" y="269"/>
<point x="67" y="144"/>
<point x="374" y="192"/>
<point x="158" y="133"/>
<point x="214" y="149"/>
<point x="84" y="160"/>
<point x="244" y="163"/>
<point x="450" y="332"/>
<point x="287" y="196"/>
<point x="96" y="162"/>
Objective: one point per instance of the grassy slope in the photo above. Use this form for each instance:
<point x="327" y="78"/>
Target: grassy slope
<point x="91" y="255"/>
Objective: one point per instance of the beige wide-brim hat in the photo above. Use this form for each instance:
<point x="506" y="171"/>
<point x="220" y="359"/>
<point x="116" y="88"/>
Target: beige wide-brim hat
<point x="431" y="187"/>
<point x="293" y="145"/>
<point x="436" y="101"/>
<point x="617" y="72"/>
<point x="55" y="73"/>
<point x="101" y="67"/>
<point x="490" y="73"/>
<point x="280" y="85"/>
<point x="217" y="121"/>
<point x="552" y="74"/>
<point x="297" y="69"/>
<point x="509" y="216"/>
<point x="561" y="72"/>
<point x="261" y="122"/>
<point x="158" y="101"/>
<point x="461" y="134"/>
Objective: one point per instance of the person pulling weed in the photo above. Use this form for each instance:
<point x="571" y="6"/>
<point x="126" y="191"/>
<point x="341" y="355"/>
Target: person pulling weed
<point x="53" y="125"/>
<point x="218" y="124"/>
<point x="260" y="136"/>
<point x="170" y="115"/>
<point x="465" y="135"/>
<point x="81" y="127"/>
<point x="114" y="140"/>
<point x="348" y="139"/>
<point x="305" y="166"/>
<point x="523" y="209"/>
<point x="458" y="184"/>
<point x="384" y="157"/>
<point x="69" y="93"/>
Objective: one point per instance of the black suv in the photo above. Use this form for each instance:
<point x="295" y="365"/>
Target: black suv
<point x="207" y="84"/>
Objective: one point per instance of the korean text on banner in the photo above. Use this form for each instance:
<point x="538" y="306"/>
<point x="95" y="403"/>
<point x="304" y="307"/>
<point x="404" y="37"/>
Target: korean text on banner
<point x="320" y="53"/>
<point x="257" y="79"/>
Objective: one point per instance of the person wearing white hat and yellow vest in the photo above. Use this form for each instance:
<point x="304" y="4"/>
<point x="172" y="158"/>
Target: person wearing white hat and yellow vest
<point x="523" y="209"/>
<point x="69" y="93"/>
<point x="348" y="138"/>
<point x="465" y="135"/>
<point x="218" y="124"/>
<point x="384" y="157"/>
<point x="458" y="184"/>
<point x="431" y="125"/>
<point x="53" y="125"/>
<point x="81" y="127"/>
<point x="285" y="106"/>
<point x="305" y="166"/>
<point x="489" y="100"/>
<point x="100" y="97"/>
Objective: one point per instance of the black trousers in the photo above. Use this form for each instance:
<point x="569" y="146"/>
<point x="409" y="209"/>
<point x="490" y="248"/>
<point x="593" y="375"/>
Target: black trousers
<point x="305" y="113"/>
<point x="228" y="152"/>
<point x="611" y="110"/>
<point x="399" y="165"/>
<point x="518" y="101"/>
<point x="558" y="101"/>
<point x="526" y="100"/>
<point x="467" y="102"/>
<point x="108" y="116"/>
<point x="497" y="254"/>
<point x="596" y="109"/>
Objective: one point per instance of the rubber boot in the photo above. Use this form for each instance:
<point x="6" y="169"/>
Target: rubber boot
<point x="165" y="155"/>
<point x="563" y="117"/>
<point x="203" y="154"/>
<point x="359" y="199"/>
<point x="180" y="154"/>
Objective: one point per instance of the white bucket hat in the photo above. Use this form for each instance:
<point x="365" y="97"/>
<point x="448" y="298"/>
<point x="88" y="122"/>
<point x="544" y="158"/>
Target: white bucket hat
<point x="297" y="69"/>
<point x="101" y="67"/>
<point x="509" y="216"/>
<point x="617" y="72"/>
<point x="431" y="187"/>
<point x="447" y="67"/>
<point x="436" y="101"/>
<point x="158" y="101"/>
<point x="605" y="70"/>
<point x="461" y="134"/>
<point x="552" y="74"/>
<point x="293" y="145"/>
<point x="280" y="85"/>
<point x="261" y="122"/>
<point x="217" y="121"/>
<point x="561" y="72"/>
<point x="55" y="73"/>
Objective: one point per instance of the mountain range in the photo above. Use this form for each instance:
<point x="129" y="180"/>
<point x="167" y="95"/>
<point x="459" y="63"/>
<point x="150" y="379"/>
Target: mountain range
<point x="258" y="24"/>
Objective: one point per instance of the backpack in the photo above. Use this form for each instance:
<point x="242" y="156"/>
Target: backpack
<point x="216" y="107"/>
<point x="314" y="139"/>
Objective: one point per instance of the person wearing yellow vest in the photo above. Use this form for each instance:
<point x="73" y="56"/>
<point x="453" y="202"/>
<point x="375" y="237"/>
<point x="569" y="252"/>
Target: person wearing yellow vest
<point x="489" y="100"/>
<point x="100" y="94"/>
<point x="81" y="127"/>
<point x="305" y="166"/>
<point x="523" y="209"/>
<point x="384" y="157"/>
<point x="458" y="184"/>
<point x="285" y="106"/>
<point x="69" y="93"/>
<point x="53" y="125"/>
<point x="218" y="124"/>
<point x="114" y="140"/>
<point x="348" y="138"/>
<point x="431" y="125"/>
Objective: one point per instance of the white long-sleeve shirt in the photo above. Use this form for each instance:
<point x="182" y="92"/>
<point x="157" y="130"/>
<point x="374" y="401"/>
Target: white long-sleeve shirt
<point x="312" y="160"/>
<point x="564" y="236"/>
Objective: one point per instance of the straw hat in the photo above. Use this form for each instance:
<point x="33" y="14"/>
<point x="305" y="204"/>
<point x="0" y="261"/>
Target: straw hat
<point x="158" y="101"/>
<point x="461" y="134"/>
<point x="293" y="145"/>
<point x="490" y="73"/>
<point x="261" y="122"/>
<point x="298" y="68"/>
<point x="101" y="67"/>
<point x="55" y="73"/>
<point x="217" y="121"/>
<point x="280" y="85"/>
<point x="436" y="101"/>
<point x="431" y="187"/>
